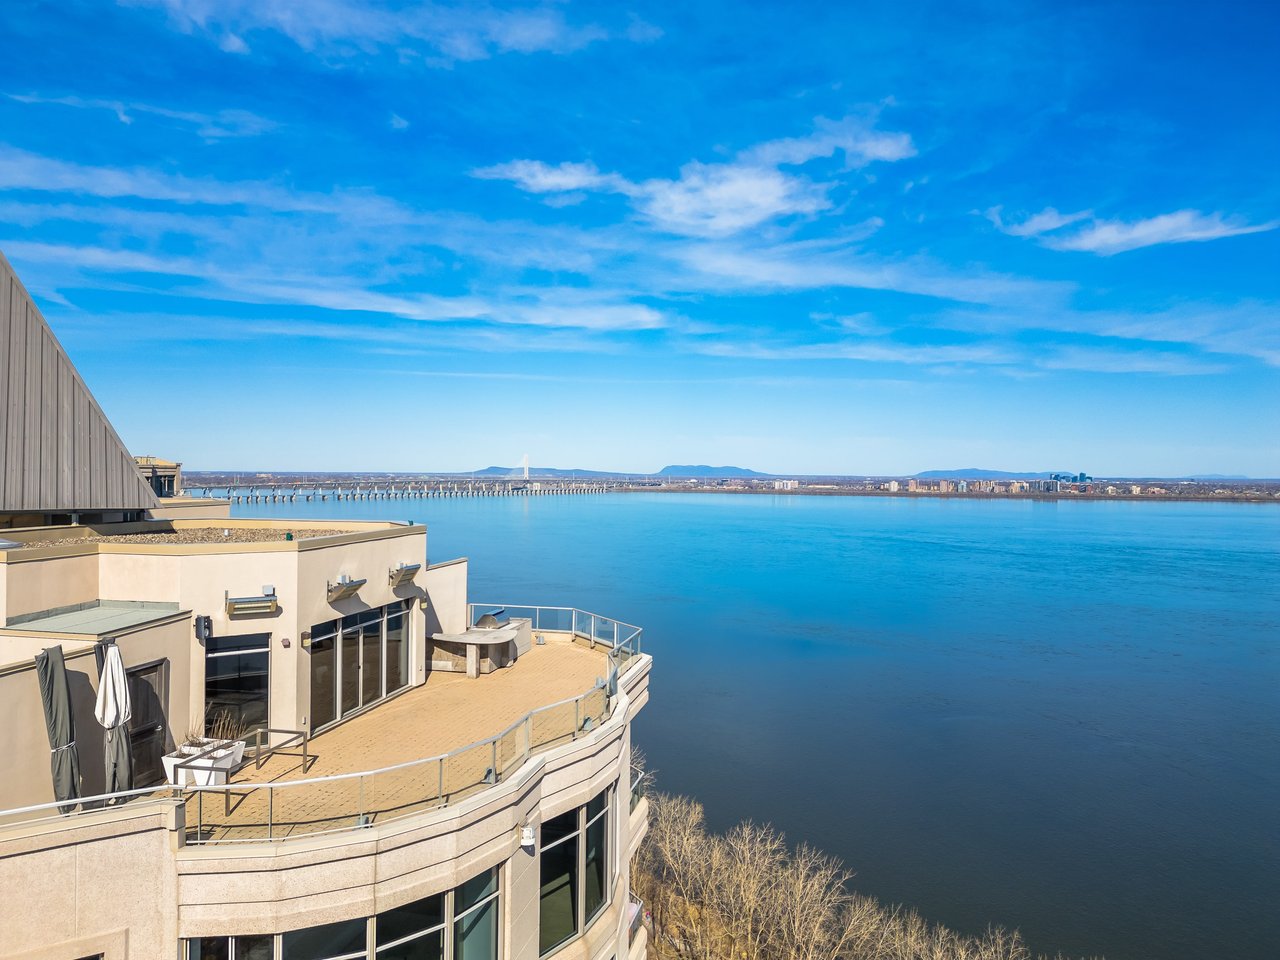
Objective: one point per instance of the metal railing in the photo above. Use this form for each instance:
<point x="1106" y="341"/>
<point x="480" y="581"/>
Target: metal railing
<point x="292" y="738"/>
<point x="639" y="787"/>
<point x="579" y="623"/>
<point x="256" y="812"/>
<point x="635" y="920"/>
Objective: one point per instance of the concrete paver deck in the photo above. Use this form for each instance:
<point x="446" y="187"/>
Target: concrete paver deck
<point x="449" y="712"/>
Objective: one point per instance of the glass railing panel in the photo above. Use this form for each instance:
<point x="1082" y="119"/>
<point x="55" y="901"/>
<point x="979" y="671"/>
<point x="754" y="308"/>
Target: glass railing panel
<point x="554" y="619"/>
<point x="396" y="793"/>
<point x="465" y="772"/>
<point x="512" y="750"/>
<point x="553" y="725"/>
<point x="593" y="709"/>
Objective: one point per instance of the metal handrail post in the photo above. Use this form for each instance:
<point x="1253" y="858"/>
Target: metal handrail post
<point x="440" y="789"/>
<point x="360" y="801"/>
<point x="271" y="810"/>
<point x="577" y="718"/>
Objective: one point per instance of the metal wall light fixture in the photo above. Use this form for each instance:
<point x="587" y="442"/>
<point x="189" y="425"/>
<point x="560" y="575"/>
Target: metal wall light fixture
<point x="399" y="576"/>
<point x="252" y="606"/>
<point x="344" y="588"/>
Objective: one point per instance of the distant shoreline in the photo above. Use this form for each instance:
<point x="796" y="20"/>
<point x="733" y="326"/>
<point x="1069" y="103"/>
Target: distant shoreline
<point x="927" y="495"/>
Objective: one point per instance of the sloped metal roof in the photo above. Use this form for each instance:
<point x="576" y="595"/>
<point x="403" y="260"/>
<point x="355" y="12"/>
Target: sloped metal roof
<point x="58" y="450"/>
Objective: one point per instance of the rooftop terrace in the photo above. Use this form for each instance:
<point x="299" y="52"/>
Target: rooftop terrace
<point x="428" y="747"/>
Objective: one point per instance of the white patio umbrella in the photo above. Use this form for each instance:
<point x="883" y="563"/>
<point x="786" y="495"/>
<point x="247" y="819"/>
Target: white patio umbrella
<point x="113" y="711"/>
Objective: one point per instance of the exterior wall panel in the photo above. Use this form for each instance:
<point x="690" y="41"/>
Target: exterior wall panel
<point x="59" y="451"/>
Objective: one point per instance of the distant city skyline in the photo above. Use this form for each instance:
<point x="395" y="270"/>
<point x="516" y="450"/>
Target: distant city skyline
<point x="833" y="241"/>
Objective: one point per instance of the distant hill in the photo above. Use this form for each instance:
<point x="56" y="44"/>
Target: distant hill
<point x="702" y="471"/>
<point x="977" y="473"/>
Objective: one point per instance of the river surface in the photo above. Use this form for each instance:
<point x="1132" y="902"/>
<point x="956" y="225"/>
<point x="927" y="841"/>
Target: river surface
<point x="1062" y="717"/>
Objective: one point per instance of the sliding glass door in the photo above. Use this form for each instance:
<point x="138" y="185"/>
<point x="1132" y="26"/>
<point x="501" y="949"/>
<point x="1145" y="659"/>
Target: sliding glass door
<point x="357" y="661"/>
<point x="349" y="655"/>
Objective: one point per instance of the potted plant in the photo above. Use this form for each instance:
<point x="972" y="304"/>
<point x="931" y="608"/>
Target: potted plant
<point x="219" y="747"/>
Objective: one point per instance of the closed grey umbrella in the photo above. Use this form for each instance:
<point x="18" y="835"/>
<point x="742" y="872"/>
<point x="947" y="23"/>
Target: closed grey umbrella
<point x="113" y="711"/>
<point x="54" y="693"/>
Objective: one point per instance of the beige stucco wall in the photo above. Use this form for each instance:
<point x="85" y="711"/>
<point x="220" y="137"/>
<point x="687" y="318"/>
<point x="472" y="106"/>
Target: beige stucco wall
<point x="101" y="884"/>
<point x="446" y="588"/>
<point x="25" y="777"/>
<point x="199" y="578"/>
<point x="29" y="586"/>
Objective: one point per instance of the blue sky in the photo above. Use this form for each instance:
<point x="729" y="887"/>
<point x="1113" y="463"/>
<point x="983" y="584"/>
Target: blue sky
<point x="826" y="238"/>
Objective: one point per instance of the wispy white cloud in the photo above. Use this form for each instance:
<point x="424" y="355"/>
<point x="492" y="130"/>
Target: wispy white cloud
<point x="1045" y="221"/>
<point x="209" y="126"/>
<point x="534" y="176"/>
<point x="1127" y="360"/>
<point x="600" y="310"/>
<point x="1249" y="328"/>
<point x="868" y="350"/>
<point x="1108" y="237"/>
<point x="22" y="170"/>
<point x="813" y="266"/>
<point x="721" y="199"/>
<point x="433" y="32"/>
<point x="398" y="122"/>
<point x="356" y="252"/>
<point x="855" y="138"/>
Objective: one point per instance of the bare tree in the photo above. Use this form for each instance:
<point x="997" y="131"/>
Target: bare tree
<point x="747" y="896"/>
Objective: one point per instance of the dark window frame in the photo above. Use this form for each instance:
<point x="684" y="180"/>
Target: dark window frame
<point x="582" y="920"/>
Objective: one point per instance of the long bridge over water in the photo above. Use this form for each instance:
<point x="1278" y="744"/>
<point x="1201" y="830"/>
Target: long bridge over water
<point x="402" y="490"/>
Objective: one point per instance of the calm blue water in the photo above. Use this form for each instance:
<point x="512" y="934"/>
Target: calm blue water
<point x="1060" y="717"/>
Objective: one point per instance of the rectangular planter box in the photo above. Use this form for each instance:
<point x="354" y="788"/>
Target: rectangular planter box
<point x="210" y="771"/>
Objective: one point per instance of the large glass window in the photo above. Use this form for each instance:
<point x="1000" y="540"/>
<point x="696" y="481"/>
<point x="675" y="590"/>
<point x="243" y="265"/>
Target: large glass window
<point x="558" y="903"/>
<point x="459" y="925"/>
<point x="371" y="661"/>
<point x="236" y="683"/>
<point x="324" y="675"/>
<point x="412" y="932"/>
<point x="475" y="933"/>
<point x="345" y="940"/>
<point x="232" y="948"/>
<point x="357" y="660"/>
<point x="595" y="877"/>
<point x="397" y="651"/>
<point x="573" y="871"/>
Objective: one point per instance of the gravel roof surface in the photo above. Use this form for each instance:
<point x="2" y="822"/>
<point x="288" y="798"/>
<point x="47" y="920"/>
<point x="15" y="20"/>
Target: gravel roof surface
<point x="198" y="535"/>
